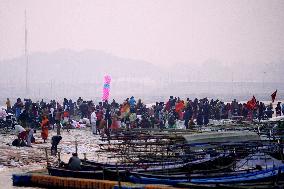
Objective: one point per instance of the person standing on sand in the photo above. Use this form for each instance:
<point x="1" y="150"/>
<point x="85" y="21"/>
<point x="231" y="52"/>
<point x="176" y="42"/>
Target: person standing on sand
<point x="114" y="124"/>
<point x="54" y="143"/>
<point x="103" y="126"/>
<point x="18" y="108"/>
<point x="282" y="108"/>
<point x="99" y="116"/>
<point x="8" y="105"/>
<point x="44" y="128"/>
<point x="51" y="116"/>
<point x="66" y="118"/>
<point x="58" y="116"/>
<point x="30" y="133"/>
<point x="187" y="116"/>
<point x="93" y="122"/>
<point x="278" y="109"/>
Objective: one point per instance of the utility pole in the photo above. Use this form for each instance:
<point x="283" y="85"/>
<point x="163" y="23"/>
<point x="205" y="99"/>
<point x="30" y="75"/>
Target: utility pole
<point x="232" y="84"/>
<point x="26" y="53"/>
<point x="263" y="77"/>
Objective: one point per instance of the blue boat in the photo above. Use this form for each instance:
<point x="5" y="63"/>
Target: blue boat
<point x="257" y="176"/>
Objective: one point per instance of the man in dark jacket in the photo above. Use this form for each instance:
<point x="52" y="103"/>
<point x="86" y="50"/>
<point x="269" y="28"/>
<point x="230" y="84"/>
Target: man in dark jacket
<point x="54" y="142"/>
<point x="74" y="162"/>
<point x="187" y="116"/>
<point x="278" y="109"/>
<point x="84" y="110"/>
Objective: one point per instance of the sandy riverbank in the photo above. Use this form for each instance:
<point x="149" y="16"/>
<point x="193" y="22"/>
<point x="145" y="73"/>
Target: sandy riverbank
<point x="23" y="159"/>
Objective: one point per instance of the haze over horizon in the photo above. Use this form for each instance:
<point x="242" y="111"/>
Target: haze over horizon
<point x="67" y="73"/>
<point x="160" y="32"/>
<point x="157" y="44"/>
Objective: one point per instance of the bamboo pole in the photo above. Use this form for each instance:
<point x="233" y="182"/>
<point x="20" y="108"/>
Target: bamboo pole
<point x="46" y="156"/>
<point x="59" y="159"/>
<point x="118" y="177"/>
<point x="85" y="156"/>
<point x="76" y="146"/>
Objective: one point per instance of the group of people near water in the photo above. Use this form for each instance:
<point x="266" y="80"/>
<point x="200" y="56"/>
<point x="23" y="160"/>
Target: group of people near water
<point x="106" y="117"/>
<point x="132" y="114"/>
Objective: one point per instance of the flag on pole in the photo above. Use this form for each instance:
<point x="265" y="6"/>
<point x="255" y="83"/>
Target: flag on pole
<point x="251" y="104"/>
<point x="273" y="96"/>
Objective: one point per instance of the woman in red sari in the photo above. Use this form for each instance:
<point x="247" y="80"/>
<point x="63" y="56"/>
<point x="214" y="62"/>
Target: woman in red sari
<point x="44" y="128"/>
<point x="114" y="124"/>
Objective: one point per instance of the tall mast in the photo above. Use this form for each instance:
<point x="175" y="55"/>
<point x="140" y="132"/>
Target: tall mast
<point x="26" y="53"/>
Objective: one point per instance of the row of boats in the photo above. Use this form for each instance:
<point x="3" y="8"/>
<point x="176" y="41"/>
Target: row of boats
<point x="229" y="159"/>
<point x="203" y="171"/>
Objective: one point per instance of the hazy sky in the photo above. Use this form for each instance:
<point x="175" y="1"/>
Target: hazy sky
<point x="161" y="32"/>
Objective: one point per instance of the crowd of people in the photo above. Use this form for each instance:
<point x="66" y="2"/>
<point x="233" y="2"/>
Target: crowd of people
<point x="109" y="116"/>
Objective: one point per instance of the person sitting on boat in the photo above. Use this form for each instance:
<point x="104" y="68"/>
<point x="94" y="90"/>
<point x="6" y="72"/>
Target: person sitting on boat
<point x="74" y="162"/>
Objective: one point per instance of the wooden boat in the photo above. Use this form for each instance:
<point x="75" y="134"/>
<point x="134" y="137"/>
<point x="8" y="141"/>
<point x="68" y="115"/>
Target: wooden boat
<point x="142" y="167"/>
<point x="199" y="164"/>
<point x="172" y="166"/>
<point x="129" y="164"/>
<point x="83" y="173"/>
<point x="257" y="176"/>
<point x="103" y="174"/>
<point x="260" y="185"/>
<point x="187" y="175"/>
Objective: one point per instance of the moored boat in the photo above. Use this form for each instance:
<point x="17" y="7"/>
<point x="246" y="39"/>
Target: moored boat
<point x="256" y="176"/>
